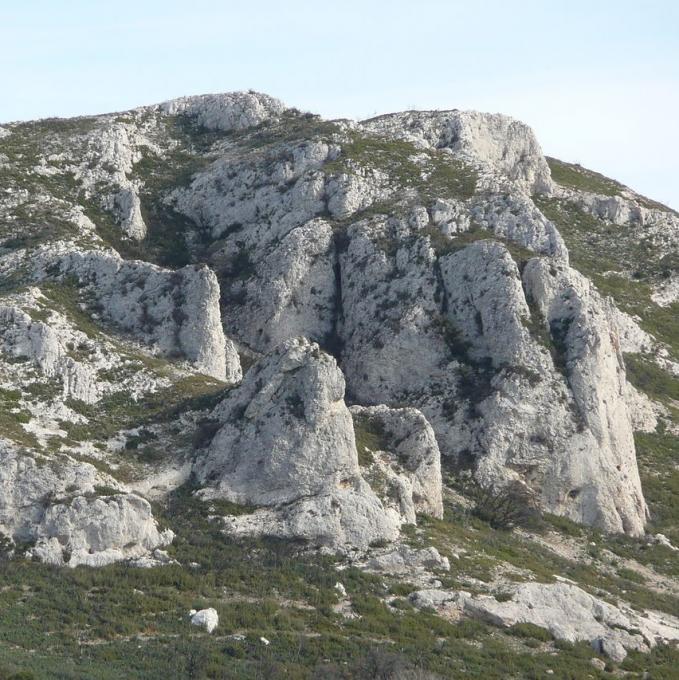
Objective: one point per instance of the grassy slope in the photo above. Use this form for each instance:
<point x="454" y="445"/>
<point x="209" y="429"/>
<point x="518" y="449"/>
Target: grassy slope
<point x="125" y="623"/>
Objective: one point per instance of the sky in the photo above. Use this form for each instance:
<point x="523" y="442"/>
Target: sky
<point x="598" y="80"/>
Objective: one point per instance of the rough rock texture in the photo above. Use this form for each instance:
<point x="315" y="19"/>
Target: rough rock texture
<point x="54" y="506"/>
<point x="98" y="531"/>
<point x="28" y="486"/>
<point x="343" y="518"/>
<point x="405" y="560"/>
<point x="412" y="455"/>
<point x="506" y="146"/>
<point x="418" y="249"/>
<point x="176" y="312"/>
<point x="206" y="618"/>
<point x="579" y="323"/>
<point x="287" y="437"/>
<point x="515" y="217"/>
<point x="456" y="336"/>
<point x="225" y="112"/>
<point x="292" y="293"/>
<point x="567" y="611"/>
<point x="109" y="157"/>
<point x="48" y="347"/>
<point x="285" y="431"/>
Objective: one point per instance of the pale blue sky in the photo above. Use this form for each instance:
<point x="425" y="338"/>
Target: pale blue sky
<point x="598" y="80"/>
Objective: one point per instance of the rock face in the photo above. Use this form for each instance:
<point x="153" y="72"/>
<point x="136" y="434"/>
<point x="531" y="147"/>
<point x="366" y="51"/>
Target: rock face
<point x="412" y="461"/>
<point x="175" y="312"/>
<point x="456" y="337"/>
<point x="579" y="322"/>
<point x="98" y="531"/>
<point x="55" y="508"/>
<point x="286" y="437"/>
<point x="497" y="142"/>
<point x="568" y="612"/>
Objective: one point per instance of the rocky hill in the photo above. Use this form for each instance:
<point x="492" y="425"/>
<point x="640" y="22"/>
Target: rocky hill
<point x="394" y="398"/>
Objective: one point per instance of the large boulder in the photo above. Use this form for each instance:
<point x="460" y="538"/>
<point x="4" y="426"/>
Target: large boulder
<point x="98" y="531"/>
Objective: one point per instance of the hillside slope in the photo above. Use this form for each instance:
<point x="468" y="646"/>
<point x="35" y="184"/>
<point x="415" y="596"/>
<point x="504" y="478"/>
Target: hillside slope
<point x="248" y="354"/>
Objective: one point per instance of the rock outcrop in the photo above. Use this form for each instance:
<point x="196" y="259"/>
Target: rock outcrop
<point x="47" y="346"/>
<point x="98" y="531"/>
<point x="568" y="612"/>
<point x="497" y="143"/>
<point x="411" y="462"/>
<point x="176" y="312"/>
<point x="55" y="507"/>
<point x="607" y="486"/>
<point x="286" y="439"/>
<point x="226" y="112"/>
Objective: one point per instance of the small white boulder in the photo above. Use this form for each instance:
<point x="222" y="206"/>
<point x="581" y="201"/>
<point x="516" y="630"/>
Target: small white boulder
<point x="207" y="618"/>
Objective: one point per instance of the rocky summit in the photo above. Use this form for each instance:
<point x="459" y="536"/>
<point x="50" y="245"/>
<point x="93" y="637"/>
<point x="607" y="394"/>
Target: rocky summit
<point x="395" y="398"/>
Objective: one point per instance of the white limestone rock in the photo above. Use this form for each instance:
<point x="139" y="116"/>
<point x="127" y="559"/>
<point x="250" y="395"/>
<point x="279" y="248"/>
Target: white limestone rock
<point x="112" y="149"/>
<point x="406" y="561"/>
<point x="579" y="323"/>
<point x="390" y="325"/>
<point x="98" y="531"/>
<point x="176" y="312"/>
<point x="491" y="390"/>
<point x="258" y="197"/>
<point x="412" y="452"/>
<point x="505" y="146"/>
<point x="285" y="431"/>
<point x="287" y="440"/>
<point x="346" y="517"/>
<point x="515" y="217"/>
<point x="228" y="111"/>
<point x="293" y="290"/>
<point x="205" y="618"/>
<point x="350" y="193"/>
<point x="666" y="292"/>
<point x="452" y="217"/>
<point x="486" y="303"/>
<point x="567" y="611"/>
<point x="28" y="485"/>
<point x="156" y="558"/>
<point x="661" y="539"/>
<point x="47" y="346"/>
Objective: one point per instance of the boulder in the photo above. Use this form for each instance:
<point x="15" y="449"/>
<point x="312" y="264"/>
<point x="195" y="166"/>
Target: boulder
<point x="205" y="618"/>
<point x="98" y="531"/>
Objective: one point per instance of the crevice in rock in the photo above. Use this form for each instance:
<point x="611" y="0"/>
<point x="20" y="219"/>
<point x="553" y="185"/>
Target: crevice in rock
<point x="333" y="342"/>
